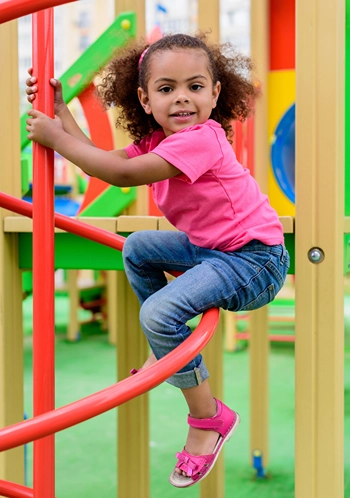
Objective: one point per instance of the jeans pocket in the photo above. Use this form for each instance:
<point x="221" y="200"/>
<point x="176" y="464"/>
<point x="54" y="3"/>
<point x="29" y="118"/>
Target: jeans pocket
<point x="265" y="297"/>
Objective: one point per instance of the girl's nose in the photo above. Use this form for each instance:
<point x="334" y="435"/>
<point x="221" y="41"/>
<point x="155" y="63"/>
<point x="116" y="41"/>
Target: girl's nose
<point x="182" y="98"/>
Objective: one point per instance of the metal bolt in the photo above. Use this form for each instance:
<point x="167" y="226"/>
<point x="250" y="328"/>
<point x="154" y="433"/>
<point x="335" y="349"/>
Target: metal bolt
<point x="315" y="255"/>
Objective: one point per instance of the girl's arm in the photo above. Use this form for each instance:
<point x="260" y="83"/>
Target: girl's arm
<point x="60" y="107"/>
<point x="112" y="167"/>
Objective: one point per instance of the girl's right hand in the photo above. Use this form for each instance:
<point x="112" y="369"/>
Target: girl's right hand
<point x="31" y="90"/>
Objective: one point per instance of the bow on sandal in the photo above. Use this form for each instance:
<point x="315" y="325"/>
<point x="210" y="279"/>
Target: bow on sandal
<point x="196" y="468"/>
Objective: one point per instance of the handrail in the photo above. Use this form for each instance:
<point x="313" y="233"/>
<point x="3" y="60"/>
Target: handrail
<point x="12" y="490"/>
<point x="126" y="389"/>
<point x="13" y="9"/>
<point x="113" y="396"/>
<point x="95" y="234"/>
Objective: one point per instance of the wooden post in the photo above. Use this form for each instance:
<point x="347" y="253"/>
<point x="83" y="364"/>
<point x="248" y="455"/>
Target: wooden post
<point x="133" y="427"/>
<point x="132" y="348"/>
<point x="73" y="330"/>
<point x="11" y="335"/>
<point x="319" y="224"/>
<point x="140" y="207"/>
<point x="213" y="485"/>
<point x="259" y="345"/>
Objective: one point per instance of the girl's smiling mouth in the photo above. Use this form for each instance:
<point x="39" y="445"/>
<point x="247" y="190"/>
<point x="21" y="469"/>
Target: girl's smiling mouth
<point x="182" y="114"/>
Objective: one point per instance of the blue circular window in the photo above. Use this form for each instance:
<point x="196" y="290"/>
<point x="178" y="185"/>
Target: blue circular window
<point x="283" y="154"/>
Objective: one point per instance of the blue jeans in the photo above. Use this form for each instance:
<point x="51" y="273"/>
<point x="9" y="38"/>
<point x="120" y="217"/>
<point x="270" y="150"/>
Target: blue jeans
<point x="245" y="279"/>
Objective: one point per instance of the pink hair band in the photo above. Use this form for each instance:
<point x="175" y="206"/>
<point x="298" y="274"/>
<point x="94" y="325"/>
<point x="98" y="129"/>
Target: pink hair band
<point x="142" y="56"/>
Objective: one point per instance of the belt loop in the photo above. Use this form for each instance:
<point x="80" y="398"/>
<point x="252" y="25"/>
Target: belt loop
<point x="283" y="255"/>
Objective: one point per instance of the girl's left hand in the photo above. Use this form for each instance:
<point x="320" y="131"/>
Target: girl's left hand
<point x="42" y="129"/>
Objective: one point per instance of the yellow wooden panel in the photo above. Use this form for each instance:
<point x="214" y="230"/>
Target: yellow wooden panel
<point x="136" y="223"/>
<point x="319" y="223"/>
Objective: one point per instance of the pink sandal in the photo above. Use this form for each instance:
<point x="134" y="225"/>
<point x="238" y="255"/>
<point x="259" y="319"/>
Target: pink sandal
<point x="225" y="423"/>
<point x="133" y="371"/>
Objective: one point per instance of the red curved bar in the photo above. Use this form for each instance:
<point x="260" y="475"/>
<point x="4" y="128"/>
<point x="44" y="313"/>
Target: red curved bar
<point x="111" y="397"/>
<point x="24" y="208"/>
<point x="12" y="490"/>
<point x="13" y="9"/>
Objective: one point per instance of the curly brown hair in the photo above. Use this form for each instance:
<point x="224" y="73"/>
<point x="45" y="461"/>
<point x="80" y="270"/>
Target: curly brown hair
<point x="124" y="74"/>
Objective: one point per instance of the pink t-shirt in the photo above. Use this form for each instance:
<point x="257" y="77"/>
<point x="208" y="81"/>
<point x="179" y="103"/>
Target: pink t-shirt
<point x="215" y="201"/>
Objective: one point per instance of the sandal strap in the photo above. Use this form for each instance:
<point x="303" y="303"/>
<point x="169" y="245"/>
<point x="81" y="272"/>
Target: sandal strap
<point x="206" y="424"/>
<point x="216" y="423"/>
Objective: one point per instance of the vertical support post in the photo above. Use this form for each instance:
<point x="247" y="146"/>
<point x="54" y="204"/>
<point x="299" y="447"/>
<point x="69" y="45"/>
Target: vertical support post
<point x="259" y="341"/>
<point x="43" y="260"/>
<point x="319" y="223"/>
<point x="133" y="426"/>
<point x="259" y="348"/>
<point x="213" y="485"/>
<point x="111" y="307"/>
<point x="11" y="335"/>
<point x="209" y="18"/>
<point x="73" y="294"/>
<point x="140" y="207"/>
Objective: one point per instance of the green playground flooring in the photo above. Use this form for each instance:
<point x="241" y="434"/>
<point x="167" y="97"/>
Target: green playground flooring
<point x="86" y="454"/>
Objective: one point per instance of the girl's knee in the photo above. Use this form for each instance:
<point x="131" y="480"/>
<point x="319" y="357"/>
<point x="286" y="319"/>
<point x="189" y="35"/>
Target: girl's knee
<point x="150" y="317"/>
<point x="131" y="244"/>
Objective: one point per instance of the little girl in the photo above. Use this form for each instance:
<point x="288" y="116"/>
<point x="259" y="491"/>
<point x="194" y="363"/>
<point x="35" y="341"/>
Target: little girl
<point x="177" y="98"/>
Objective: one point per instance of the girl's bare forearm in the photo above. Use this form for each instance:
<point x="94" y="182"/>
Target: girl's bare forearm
<point x="93" y="161"/>
<point x="71" y="126"/>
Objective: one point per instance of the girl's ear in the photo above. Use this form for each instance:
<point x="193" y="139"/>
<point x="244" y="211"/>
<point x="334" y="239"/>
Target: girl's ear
<point x="144" y="100"/>
<point x="216" y="92"/>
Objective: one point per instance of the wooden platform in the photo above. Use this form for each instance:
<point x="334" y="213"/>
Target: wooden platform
<point x="74" y="252"/>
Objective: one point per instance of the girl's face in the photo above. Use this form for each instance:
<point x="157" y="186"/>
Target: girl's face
<point x="180" y="91"/>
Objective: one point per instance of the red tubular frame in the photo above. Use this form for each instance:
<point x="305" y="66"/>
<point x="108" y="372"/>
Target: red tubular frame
<point x="24" y="208"/>
<point x="13" y="9"/>
<point x="12" y="490"/>
<point x="43" y="259"/>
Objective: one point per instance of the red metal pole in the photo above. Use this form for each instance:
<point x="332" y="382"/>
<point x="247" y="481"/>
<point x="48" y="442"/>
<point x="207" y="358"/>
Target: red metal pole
<point x="250" y="145"/>
<point x="13" y="9"/>
<point x="239" y="141"/>
<point x="43" y="260"/>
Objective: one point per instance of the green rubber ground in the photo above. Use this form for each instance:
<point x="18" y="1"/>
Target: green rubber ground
<point x="86" y="454"/>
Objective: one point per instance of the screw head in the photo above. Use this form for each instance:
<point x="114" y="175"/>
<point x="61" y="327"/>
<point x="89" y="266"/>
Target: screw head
<point x="315" y="255"/>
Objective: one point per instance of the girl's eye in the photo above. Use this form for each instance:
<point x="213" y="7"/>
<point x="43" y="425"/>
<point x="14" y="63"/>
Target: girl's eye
<point x="165" y="89"/>
<point x="196" y="87"/>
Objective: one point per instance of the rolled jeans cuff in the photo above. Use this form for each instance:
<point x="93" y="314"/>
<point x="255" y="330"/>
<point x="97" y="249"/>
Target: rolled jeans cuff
<point x="192" y="378"/>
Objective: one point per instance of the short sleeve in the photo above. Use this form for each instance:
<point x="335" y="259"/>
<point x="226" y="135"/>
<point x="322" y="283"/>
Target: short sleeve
<point x="194" y="151"/>
<point x="147" y="144"/>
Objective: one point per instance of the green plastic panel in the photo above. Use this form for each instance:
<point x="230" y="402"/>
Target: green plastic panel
<point x="111" y="202"/>
<point x="83" y="71"/>
<point x="289" y="240"/>
<point x="347" y="253"/>
<point x="73" y="252"/>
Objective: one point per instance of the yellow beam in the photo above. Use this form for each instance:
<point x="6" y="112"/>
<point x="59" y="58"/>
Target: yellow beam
<point x="319" y="223"/>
